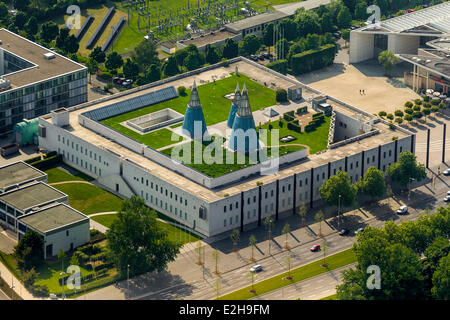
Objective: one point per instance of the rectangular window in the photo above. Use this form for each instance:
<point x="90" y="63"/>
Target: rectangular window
<point x="224" y="208"/>
<point x="224" y="222"/>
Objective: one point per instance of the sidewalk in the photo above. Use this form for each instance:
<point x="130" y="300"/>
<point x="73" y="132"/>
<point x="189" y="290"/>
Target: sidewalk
<point x="18" y="287"/>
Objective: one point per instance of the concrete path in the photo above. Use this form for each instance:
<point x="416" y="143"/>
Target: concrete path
<point x="12" y="281"/>
<point x="65" y="182"/>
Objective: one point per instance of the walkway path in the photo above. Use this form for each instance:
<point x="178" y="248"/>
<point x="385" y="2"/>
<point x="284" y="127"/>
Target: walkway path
<point x="12" y="280"/>
<point x="75" y="181"/>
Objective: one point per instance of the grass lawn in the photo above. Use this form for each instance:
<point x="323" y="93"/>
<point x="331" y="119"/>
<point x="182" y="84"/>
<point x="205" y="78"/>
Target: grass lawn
<point x="90" y="199"/>
<point x="335" y="261"/>
<point x="211" y="166"/>
<point x="216" y="107"/>
<point x="332" y="297"/>
<point x="174" y="233"/>
<point x="317" y="140"/>
<point x="58" y="175"/>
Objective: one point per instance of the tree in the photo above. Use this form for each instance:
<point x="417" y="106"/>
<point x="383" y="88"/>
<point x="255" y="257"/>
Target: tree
<point x="71" y="44"/>
<point x="49" y="31"/>
<point x="30" y="250"/>
<point x="3" y="11"/>
<point x="344" y="18"/>
<point x="326" y="22"/>
<point x="153" y="73"/>
<point x="325" y="251"/>
<point x="285" y="231"/>
<point x="388" y="60"/>
<point x="307" y="22"/>
<point x="192" y="61"/>
<point x="267" y="35"/>
<point x="338" y="185"/>
<point x="249" y="45"/>
<point x="373" y="184"/>
<point x="92" y="67"/>
<point x="361" y="10"/>
<point x="319" y="218"/>
<point x="130" y="69"/>
<point x="406" y="169"/>
<point x="212" y="55"/>
<point x="29" y="277"/>
<point x="31" y="27"/>
<point x="216" y="258"/>
<point x="281" y="95"/>
<point x="289" y="28"/>
<point x="441" y="280"/>
<point x="408" y="117"/>
<point x="302" y="211"/>
<point x="113" y="61"/>
<point x="170" y="67"/>
<point x="251" y="276"/>
<point x="389" y="192"/>
<point x="282" y="48"/>
<point x="346" y="35"/>
<point x="252" y="243"/>
<point x="74" y="260"/>
<point x="19" y="20"/>
<point x="426" y="112"/>
<point x="235" y="235"/>
<point x="136" y="239"/>
<point x="312" y="42"/>
<point x="289" y="265"/>
<point x="230" y="49"/>
<point x="21" y="5"/>
<point x="98" y="55"/>
<point x="61" y="257"/>
<point x="199" y="251"/>
<point x="145" y="54"/>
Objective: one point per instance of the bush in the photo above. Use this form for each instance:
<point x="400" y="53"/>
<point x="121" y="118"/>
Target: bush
<point x="408" y="104"/>
<point x="32" y="160"/>
<point x="398" y="113"/>
<point x="391" y="126"/>
<point x="427" y="105"/>
<point x="289" y="116"/>
<point x="279" y="66"/>
<point x="408" y="117"/>
<point x="382" y="113"/>
<point x="39" y="291"/>
<point x="309" y="128"/>
<point x="281" y="96"/>
<point x="426" y="99"/>
<point x="390" y="116"/>
<point x="97" y="236"/>
<point x="418" y="102"/>
<point x="294" y="127"/>
<point x="434" y="109"/>
<point x="399" y="120"/>
<point x="416" y="108"/>
<point x="409" y="111"/>
<point x="225" y="62"/>
<point x="181" y="91"/>
<point x="317" y="115"/>
<point x="106" y="75"/>
<point x="435" y="102"/>
<point x="442" y="106"/>
<point x="47" y="163"/>
<point x="394" y="138"/>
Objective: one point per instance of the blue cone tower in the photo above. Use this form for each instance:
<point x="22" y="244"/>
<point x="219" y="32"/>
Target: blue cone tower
<point x="234" y="107"/>
<point x="194" y="124"/>
<point x="243" y="138"/>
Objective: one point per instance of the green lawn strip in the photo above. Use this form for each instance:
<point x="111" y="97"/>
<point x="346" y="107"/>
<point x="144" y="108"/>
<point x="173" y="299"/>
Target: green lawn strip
<point x="58" y="175"/>
<point x="332" y="297"/>
<point x="216" y="107"/>
<point x="174" y="233"/>
<point x="317" y="140"/>
<point x="335" y="261"/>
<point x="90" y="199"/>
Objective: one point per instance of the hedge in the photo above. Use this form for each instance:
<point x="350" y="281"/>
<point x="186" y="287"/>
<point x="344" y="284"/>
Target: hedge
<point x="309" y="128"/>
<point x="313" y="59"/>
<point x="279" y="66"/>
<point x="47" y="163"/>
<point x="289" y="116"/>
<point x="294" y="127"/>
<point x="302" y="110"/>
<point x="318" y="114"/>
<point x="35" y="159"/>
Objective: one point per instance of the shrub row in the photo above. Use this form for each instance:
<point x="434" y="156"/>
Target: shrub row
<point x="289" y="116"/>
<point x="302" y="110"/>
<point x="97" y="236"/>
<point x="279" y="66"/>
<point x="47" y="163"/>
<point x="313" y="59"/>
<point x="294" y="126"/>
<point x="32" y="160"/>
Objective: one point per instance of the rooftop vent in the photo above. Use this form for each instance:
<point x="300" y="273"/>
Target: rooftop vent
<point x="49" y="55"/>
<point x="4" y="84"/>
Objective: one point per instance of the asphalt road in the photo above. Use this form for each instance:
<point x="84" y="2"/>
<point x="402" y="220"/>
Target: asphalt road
<point x="275" y="264"/>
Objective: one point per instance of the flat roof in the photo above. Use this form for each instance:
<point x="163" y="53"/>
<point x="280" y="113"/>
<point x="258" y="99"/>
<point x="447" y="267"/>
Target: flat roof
<point x="256" y="20"/>
<point x="53" y="218"/>
<point x="290" y="8"/>
<point x="31" y="196"/>
<point x="200" y="191"/>
<point x="34" y="53"/>
<point x="437" y="65"/>
<point x="433" y="20"/>
<point x="18" y="173"/>
<point x="210" y="38"/>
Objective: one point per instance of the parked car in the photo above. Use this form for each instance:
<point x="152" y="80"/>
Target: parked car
<point x="359" y="230"/>
<point x="315" y="248"/>
<point x="343" y="232"/>
<point x="402" y="210"/>
<point x="114" y="80"/>
<point x="447" y="199"/>
<point x="253" y="57"/>
<point x="267" y="55"/>
<point x="446" y="172"/>
<point x="337" y="35"/>
<point x="260" y="56"/>
<point x="448" y="192"/>
<point x="256" y="268"/>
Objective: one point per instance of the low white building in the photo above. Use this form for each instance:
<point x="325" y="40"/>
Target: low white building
<point x="61" y="226"/>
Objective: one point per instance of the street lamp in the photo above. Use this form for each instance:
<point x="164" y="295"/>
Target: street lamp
<point x="62" y="274"/>
<point x="409" y="189"/>
<point x="339" y="212"/>
<point x="128" y="277"/>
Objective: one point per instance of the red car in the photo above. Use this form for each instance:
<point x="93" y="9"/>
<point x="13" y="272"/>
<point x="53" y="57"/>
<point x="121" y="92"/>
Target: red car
<point x="315" y="248"/>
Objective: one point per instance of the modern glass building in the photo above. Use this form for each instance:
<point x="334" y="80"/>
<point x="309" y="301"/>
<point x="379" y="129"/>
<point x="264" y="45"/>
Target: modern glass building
<point x="35" y="80"/>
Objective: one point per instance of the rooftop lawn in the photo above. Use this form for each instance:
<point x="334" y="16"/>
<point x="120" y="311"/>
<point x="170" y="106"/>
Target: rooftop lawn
<point x="90" y="199"/>
<point x="316" y="140"/>
<point x="216" y="107"/>
<point x="174" y="233"/>
<point x="210" y="165"/>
